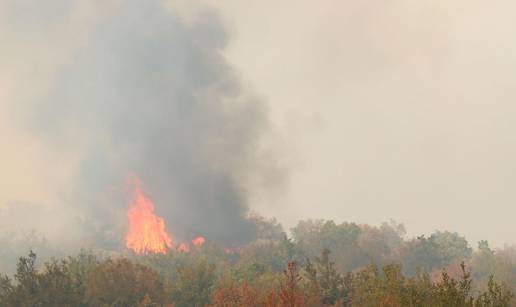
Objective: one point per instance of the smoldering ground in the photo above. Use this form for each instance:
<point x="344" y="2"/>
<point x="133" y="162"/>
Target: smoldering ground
<point x="137" y="90"/>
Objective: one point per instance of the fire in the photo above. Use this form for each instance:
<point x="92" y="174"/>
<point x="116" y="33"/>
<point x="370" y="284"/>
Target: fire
<point x="199" y="241"/>
<point x="183" y="247"/>
<point x="147" y="232"/>
<point x="232" y="250"/>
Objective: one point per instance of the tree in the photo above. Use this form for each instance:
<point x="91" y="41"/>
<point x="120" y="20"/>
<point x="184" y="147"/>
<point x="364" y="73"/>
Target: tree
<point x="330" y="281"/>
<point x="121" y="282"/>
<point x="232" y="295"/>
<point x="455" y="293"/>
<point x="290" y="294"/>
<point x="194" y="284"/>
<point x="495" y="296"/>
<point x="50" y="287"/>
<point x="436" y="251"/>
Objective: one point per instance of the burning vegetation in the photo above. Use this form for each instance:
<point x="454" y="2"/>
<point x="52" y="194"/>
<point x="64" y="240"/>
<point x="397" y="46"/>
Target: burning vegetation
<point x="273" y="271"/>
<point x="147" y="231"/>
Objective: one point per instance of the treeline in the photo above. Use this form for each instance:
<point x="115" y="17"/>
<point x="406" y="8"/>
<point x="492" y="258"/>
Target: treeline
<point x="321" y="264"/>
<point x="85" y="280"/>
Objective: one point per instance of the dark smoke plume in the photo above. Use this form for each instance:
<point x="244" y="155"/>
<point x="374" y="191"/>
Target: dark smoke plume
<point x="150" y="95"/>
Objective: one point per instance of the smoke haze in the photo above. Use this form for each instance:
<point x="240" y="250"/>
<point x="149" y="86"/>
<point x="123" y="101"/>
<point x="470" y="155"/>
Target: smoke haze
<point x="138" y="90"/>
<point x="400" y="109"/>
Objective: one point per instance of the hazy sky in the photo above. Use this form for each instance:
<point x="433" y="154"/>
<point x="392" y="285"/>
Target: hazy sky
<point x="389" y="109"/>
<point x="398" y="109"/>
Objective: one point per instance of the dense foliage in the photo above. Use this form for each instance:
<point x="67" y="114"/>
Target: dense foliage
<point x="322" y="264"/>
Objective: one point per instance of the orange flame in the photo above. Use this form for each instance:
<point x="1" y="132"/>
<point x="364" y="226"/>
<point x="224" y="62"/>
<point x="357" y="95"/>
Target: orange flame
<point x="183" y="247"/>
<point x="147" y="232"/>
<point x="232" y="250"/>
<point x="199" y="241"/>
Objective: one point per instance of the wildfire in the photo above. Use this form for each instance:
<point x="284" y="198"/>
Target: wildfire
<point x="199" y="241"/>
<point x="146" y="230"/>
<point x="183" y="247"/>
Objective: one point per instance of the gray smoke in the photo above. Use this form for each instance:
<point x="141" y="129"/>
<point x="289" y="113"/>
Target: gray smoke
<point x="150" y="95"/>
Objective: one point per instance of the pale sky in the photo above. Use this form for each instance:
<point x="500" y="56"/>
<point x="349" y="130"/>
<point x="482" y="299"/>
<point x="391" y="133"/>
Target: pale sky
<point x="401" y="109"/>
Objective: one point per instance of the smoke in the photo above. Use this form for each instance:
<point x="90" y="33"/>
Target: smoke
<point x="135" y="89"/>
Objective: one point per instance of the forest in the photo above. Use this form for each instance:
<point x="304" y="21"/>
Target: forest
<point x="141" y="140"/>
<point x="317" y="263"/>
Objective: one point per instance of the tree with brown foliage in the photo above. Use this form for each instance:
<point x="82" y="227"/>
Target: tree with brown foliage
<point x="232" y="295"/>
<point x="290" y="294"/>
<point x="120" y="282"/>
